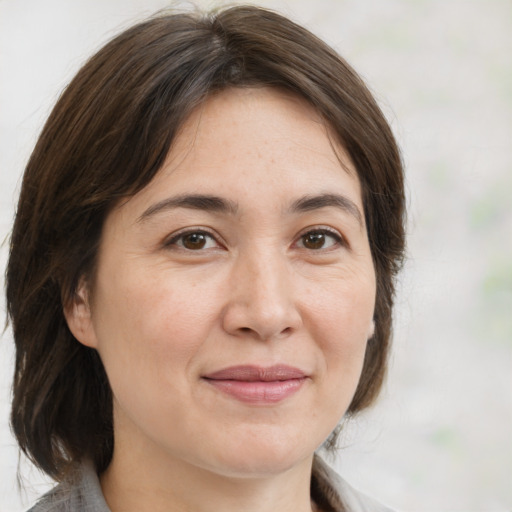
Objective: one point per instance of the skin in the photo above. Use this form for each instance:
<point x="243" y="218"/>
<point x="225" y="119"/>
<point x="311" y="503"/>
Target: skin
<point x="249" y="287"/>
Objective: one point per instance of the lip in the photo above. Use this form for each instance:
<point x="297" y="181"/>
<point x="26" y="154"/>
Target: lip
<point x="258" y="384"/>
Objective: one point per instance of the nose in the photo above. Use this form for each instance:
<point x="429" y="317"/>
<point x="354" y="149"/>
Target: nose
<point x="262" y="303"/>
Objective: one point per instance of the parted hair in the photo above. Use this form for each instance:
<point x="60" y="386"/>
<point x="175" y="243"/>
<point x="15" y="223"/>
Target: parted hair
<point x="105" y="140"/>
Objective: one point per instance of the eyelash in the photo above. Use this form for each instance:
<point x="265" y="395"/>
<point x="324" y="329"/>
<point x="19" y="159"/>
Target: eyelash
<point x="339" y="240"/>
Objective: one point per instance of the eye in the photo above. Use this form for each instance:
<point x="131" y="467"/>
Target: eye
<point x="193" y="241"/>
<point x="317" y="239"/>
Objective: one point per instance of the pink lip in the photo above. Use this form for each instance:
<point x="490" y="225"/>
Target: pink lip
<point x="255" y="384"/>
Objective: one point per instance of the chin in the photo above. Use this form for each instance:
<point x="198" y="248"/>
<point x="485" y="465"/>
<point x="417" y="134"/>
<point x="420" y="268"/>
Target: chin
<point x="260" y="467"/>
<point x="264" y="457"/>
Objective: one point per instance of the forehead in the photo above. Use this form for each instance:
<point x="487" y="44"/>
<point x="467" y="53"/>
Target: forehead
<point x="259" y="121"/>
<point x="254" y="144"/>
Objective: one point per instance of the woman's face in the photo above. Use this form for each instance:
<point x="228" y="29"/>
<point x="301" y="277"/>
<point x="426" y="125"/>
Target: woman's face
<point x="234" y="295"/>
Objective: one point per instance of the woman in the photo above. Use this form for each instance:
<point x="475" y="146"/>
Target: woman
<point x="200" y="280"/>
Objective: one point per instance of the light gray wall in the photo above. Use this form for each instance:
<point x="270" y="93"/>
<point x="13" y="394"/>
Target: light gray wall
<point x="442" y="69"/>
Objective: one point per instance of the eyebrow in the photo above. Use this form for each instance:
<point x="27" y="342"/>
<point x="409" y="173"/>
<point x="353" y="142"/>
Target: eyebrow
<point x="221" y="205"/>
<point x="194" y="202"/>
<point x="309" y="203"/>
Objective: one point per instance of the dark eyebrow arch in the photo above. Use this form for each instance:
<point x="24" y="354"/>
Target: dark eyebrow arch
<point x="309" y="203"/>
<point x="192" y="201"/>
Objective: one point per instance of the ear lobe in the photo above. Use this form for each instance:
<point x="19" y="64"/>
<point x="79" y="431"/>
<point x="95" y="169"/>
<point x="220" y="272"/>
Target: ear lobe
<point x="79" y="318"/>
<point x="371" y="331"/>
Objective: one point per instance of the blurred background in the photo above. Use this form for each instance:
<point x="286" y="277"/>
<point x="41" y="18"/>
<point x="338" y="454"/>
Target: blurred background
<point x="440" y="439"/>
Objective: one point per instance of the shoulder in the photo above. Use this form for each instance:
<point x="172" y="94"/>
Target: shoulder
<point x="337" y="494"/>
<point x="82" y="493"/>
<point x="59" y="499"/>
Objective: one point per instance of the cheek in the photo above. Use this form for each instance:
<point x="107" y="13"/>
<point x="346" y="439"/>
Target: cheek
<point x="149" y="333"/>
<point x="341" y="319"/>
<point x="344" y="301"/>
<point x="148" y="337"/>
<point x="154" y="307"/>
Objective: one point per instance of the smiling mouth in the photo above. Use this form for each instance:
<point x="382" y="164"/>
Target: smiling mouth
<point x="257" y="385"/>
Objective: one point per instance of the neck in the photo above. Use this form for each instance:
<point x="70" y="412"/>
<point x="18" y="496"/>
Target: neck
<point x="139" y="484"/>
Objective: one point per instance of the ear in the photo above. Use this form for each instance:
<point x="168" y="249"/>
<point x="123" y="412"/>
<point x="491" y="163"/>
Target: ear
<point x="371" y="330"/>
<point x="79" y="317"/>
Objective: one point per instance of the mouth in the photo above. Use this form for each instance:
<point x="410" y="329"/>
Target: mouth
<point x="256" y="384"/>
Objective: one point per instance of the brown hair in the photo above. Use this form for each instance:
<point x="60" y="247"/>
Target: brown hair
<point x="106" y="138"/>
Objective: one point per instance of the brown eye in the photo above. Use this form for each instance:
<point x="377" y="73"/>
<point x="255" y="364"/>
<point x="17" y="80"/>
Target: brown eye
<point x="320" y="239"/>
<point x="314" y="240"/>
<point x="194" y="241"/>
